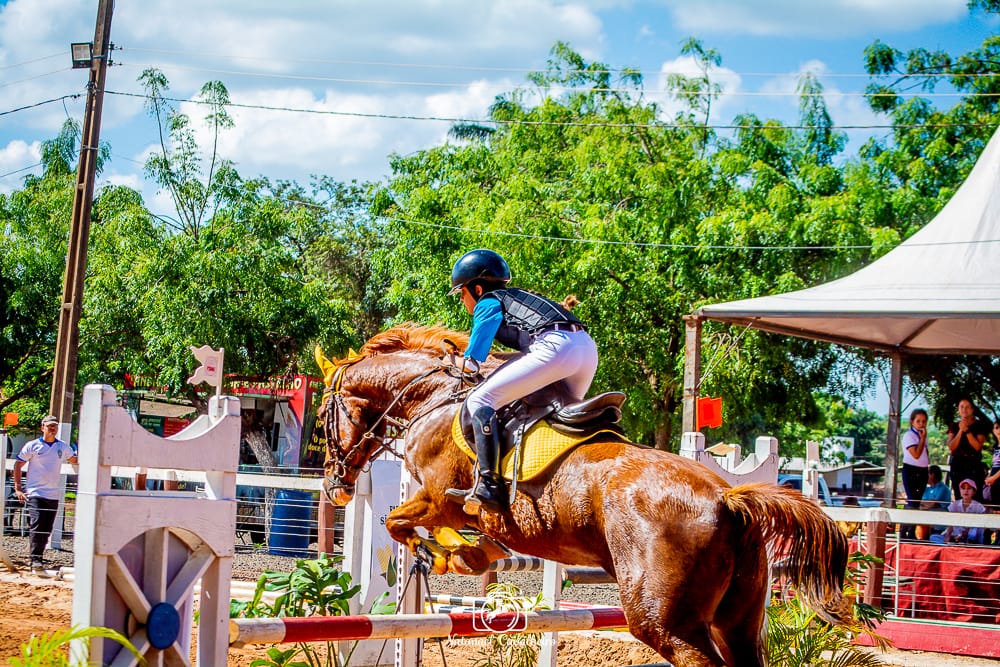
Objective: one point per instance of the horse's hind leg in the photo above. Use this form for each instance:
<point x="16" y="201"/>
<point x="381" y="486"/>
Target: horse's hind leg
<point x="740" y="617"/>
<point x="666" y="607"/>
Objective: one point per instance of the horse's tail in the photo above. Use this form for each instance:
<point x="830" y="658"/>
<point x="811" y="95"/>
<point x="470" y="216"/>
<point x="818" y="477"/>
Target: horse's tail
<point x="812" y="548"/>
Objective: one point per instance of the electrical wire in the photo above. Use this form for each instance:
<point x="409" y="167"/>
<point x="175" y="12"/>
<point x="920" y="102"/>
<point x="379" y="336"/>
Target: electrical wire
<point x="36" y="60"/>
<point x="18" y="171"/>
<point x="672" y="246"/>
<point x="38" y="104"/>
<point x="32" y="78"/>
<point x="543" y="123"/>
<point x="513" y="70"/>
<point x="504" y="85"/>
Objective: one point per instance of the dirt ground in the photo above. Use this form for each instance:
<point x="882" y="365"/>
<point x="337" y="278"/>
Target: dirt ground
<point x="32" y="605"/>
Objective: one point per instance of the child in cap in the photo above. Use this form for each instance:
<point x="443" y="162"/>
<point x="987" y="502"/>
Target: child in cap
<point x="966" y="504"/>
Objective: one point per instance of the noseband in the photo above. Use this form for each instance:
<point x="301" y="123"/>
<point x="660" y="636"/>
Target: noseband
<point x="358" y="457"/>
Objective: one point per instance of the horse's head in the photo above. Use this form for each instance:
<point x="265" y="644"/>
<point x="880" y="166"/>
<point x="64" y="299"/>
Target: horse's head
<point x="367" y="395"/>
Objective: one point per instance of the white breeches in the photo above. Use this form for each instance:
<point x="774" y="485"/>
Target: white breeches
<point x="570" y="356"/>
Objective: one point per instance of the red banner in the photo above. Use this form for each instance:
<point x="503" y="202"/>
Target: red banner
<point x="709" y="412"/>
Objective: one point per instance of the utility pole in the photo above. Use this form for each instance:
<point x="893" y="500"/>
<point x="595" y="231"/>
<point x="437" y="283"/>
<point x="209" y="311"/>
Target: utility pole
<point x="64" y="372"/>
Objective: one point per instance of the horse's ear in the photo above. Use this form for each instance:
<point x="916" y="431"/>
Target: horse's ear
<point x="326" y="366"/>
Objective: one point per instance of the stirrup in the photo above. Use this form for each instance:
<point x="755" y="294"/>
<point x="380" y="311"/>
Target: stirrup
<point x="457" y="495"/>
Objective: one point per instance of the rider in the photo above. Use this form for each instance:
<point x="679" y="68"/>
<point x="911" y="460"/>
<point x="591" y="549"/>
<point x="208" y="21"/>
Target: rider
<point x="555" y="344"/>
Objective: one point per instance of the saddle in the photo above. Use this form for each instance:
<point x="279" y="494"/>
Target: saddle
<point x="555" y="406"/>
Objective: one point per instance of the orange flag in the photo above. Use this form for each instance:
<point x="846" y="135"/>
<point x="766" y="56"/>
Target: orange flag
<point x="709" y="412"/>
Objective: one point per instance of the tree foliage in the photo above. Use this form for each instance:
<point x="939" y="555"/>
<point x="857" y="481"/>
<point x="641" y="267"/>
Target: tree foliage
<point x="263" y="269"/>
<point x="589" y="193"/>
<point x="34" y="227"/>
<point x="579" y="179"/>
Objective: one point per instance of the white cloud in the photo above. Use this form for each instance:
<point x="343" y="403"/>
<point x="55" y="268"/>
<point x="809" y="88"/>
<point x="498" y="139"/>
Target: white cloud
<point x="729" y="81"/>
<point x="829" y="19"/>
<point x="248" y="45"/>
<point x="433" y="58"/>
<point x="16" y="161"/>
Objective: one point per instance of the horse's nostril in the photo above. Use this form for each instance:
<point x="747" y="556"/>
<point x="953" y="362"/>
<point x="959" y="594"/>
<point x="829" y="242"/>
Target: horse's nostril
<point x="336" y="492"/>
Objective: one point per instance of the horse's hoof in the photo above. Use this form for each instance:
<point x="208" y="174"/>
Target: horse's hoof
<point x="469" y="560"/>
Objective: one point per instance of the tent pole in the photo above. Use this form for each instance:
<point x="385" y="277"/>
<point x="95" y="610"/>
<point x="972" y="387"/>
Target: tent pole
<point x="692" y="372"/>
<point x="892" y="435"/>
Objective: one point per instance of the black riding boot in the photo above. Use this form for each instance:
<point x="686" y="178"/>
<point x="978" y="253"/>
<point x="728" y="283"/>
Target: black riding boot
<point x="490" y="490"/>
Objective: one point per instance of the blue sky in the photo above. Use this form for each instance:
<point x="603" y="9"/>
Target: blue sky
<point x="424" y="58"/>
<point x="427" y="59"/>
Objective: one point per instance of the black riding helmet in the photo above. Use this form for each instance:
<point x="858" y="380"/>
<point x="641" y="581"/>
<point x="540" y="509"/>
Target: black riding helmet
<point x="480" y="264"/>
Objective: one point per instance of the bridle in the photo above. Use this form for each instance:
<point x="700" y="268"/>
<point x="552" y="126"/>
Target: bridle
<point x="359" y="456"/>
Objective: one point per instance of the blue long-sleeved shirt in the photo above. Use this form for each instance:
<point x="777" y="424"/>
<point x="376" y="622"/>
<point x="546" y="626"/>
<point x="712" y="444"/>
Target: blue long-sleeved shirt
<point x="487" y="317"/>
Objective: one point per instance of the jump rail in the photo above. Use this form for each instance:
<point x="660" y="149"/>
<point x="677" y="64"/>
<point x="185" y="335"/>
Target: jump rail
<point x="578" y="575"/>
<point x="244" y="631"/>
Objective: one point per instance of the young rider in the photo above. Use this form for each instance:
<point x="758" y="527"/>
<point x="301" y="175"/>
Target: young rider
<point x="555" y="344"/>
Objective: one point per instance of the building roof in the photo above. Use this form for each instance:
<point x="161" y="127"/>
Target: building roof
<point x="938" y="292"/>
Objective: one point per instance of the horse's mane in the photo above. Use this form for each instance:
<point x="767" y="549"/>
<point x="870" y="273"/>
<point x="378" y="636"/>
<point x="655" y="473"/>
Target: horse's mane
<point x="413" y="337"/>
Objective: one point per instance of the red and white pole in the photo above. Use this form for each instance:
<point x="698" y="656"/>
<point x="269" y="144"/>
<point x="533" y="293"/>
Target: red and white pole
<point x="478" y="624"/>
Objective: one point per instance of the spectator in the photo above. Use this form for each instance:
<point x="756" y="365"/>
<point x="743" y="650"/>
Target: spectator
<point x="40" y="492"/>
<point x="965" y="442"/>
<point x="915" y="462"/>
<point x="967" y="504"/>
<point x="936" y="497"/>
<point x="990" y="484"/>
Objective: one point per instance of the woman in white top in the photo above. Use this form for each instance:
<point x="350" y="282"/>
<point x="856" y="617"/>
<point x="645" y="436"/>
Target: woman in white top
<point x="915" y="462"/>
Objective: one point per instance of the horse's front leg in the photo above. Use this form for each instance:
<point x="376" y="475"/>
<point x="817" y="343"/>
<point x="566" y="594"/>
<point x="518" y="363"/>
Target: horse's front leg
<point x="450" y="552"/>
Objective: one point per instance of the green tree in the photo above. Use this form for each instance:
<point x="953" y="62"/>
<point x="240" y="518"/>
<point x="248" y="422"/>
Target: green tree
<point x="588" y="193"/>
<point x="177" y="167"/>
<point x="33" y="237"/>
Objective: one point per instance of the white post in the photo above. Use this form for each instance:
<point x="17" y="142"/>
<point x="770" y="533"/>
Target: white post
<point x="3" y="487"/>
<point x="369" y="552"/>
<point x="408" y="651"/>
<point x="693" y="445"/>
<point x="552" y="579"/>
<point x="810" y="473"/>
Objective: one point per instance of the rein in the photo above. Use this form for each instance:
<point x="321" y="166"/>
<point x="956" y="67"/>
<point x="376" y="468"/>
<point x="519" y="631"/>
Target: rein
<point x="342" y="464"/>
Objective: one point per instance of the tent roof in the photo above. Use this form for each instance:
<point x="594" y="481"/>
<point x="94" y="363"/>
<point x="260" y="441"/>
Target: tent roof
<point x="937" y="292"/>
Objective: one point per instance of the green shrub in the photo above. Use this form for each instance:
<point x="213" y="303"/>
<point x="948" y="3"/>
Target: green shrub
<point x="313" y="588"/>
<point x="52" y="648"/>
<point x="797" y="636"/>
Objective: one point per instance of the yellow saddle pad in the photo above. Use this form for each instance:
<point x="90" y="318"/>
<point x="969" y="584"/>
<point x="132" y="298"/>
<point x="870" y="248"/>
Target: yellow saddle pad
<point x="542" y="446"/>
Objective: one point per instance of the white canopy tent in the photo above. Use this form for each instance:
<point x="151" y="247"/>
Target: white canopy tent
<point x="938" y="292"/>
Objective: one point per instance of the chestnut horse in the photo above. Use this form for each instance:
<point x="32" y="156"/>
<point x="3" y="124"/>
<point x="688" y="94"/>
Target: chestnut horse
<point x="689" y="552"/>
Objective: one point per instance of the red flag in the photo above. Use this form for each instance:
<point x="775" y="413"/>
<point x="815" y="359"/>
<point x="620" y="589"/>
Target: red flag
<point x="709" y="412"/>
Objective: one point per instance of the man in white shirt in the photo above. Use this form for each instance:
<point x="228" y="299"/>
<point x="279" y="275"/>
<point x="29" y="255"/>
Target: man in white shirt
<point x="40" y="489"/>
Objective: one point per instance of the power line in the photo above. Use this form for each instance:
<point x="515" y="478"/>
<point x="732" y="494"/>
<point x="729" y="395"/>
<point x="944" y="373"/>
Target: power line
<point x="503" y="85"/>
<point x="672" y="246"/>
<point x="36" y="60"/>
<point x="513" y="70"/>
<point x="38" y="104"/>
<point x="37" y="76"/>
<point x="17" y="171"/>
<point x="660" y="125"/>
